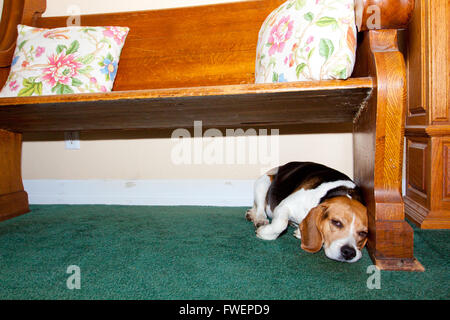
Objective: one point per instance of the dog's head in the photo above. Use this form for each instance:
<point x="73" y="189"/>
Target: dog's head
<point x="340" y="224"/>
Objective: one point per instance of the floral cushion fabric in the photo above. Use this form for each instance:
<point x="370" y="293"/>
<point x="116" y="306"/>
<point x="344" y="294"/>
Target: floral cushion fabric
<point x="64" y="60"/>
<point x="307" y="40"/>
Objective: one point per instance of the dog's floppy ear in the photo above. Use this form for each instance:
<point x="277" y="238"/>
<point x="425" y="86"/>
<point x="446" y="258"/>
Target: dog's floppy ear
<point x="362" y="243"/>
<point x="309" y="228"/>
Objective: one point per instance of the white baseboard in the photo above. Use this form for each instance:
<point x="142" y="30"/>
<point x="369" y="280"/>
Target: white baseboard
<point x="141" y="192"/>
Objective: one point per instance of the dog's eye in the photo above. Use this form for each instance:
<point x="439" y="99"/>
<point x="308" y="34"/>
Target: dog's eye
<point x="362" y="234"/>
<point x="337" y="223"/>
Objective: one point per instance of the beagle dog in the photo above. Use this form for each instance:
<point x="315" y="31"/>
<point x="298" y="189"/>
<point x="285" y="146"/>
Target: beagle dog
<point x="323" y="204"/>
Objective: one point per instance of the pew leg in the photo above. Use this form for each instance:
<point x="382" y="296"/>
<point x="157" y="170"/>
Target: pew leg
<point x="13" y="198"/>
<point x="391" y="238"/>
<point x="378" y="153"/>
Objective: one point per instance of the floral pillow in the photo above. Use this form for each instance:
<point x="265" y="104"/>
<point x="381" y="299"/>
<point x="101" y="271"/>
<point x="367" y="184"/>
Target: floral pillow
<point x="64" y="60"/>
<point x="307" y="40"/>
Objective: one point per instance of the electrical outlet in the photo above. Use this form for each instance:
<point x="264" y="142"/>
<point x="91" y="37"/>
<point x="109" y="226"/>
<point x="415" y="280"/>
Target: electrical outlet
<point x="72" y="140"/>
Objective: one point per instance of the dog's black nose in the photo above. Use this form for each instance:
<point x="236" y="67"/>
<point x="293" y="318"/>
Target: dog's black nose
<point x="348" y="252"/>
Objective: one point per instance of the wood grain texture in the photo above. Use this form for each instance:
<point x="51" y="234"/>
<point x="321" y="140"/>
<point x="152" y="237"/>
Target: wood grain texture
<point x="300" y="102"/>
<point x="428" y="118"/>
<point x="13" y="198"/>
<point x="439" y="63"/>
<point x="446" y="171"/>
<point x="393" y="14"/>
<point x="378" y="152"/>
<point x="435" y="212"/>
<point x="439" y="214"/>
<point x="438" y="130"/>
<point x="417" y="67"/>
<point x="417" y="164"/>
<point x="417" y="168"/>
<point x="198" y="46"/>
<point x="13" y="205"/>
<point x="16" y="12"/>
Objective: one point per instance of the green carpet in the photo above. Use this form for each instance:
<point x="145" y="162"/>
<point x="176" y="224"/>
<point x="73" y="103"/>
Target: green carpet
<point x="190" y="253"/>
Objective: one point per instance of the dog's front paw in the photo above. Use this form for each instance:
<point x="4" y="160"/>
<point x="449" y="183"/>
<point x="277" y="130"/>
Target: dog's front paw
<point x="265" y="233"/>
<point x="250" y="215"/>
<point x="260" y="222"/>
